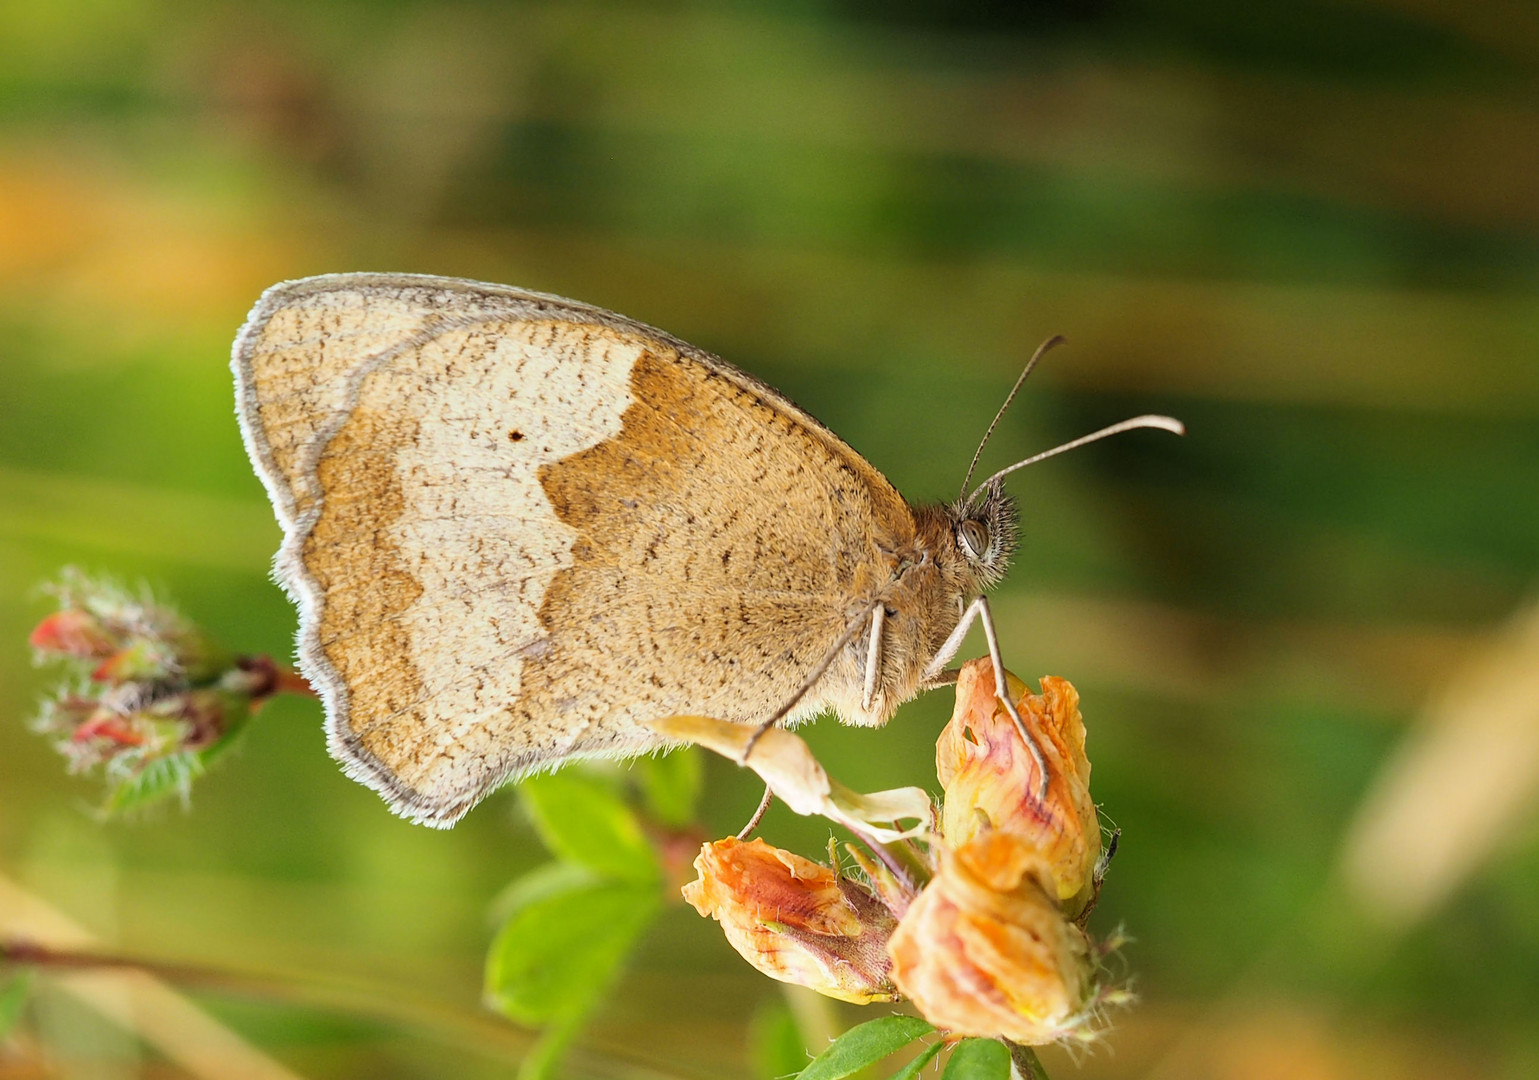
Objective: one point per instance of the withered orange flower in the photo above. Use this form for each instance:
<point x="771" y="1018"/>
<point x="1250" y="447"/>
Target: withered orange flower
<point x="985" y="949"/>
<point x="796" y="920"/>
<point x="992" y="782"/>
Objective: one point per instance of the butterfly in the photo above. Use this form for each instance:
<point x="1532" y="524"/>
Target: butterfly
<point x="518" y="527"/>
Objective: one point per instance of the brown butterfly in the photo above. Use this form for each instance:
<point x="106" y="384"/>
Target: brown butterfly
<point x="518" y="527"/>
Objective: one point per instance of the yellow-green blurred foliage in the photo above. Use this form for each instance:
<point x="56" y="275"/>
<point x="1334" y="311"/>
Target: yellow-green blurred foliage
<point x="1310" y="230"/>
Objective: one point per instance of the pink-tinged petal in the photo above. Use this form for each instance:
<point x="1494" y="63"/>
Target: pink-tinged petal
<point x="795" y="920"/>
<point x="992" y="782"/>
<point x="985" y="950"/>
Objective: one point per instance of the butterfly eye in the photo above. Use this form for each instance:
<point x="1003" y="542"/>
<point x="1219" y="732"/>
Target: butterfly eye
<point x="975" y="538"/>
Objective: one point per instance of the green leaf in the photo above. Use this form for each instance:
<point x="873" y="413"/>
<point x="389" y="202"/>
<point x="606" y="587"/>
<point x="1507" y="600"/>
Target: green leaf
<point x="13" y="998"/>
<point x="978" y="1059"/>
<point x="775" y="1043"/>
<point x="865" y="1045"/>
<point x="563" y="945"/>
<point x="913" y="1068"/>
<point x="583" y="820"/>
<point x="543" y="881"/>
<point x="670" y="784"/>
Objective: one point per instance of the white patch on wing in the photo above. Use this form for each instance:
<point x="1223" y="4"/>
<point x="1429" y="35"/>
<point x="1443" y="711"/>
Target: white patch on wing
<point x="478" y="532"/>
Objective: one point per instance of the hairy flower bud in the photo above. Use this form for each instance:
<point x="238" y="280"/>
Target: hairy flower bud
<point x="992" y="782"/>
<point x="985" y="949"/>
<point x="796" y="920"/>
<point x="151" y="700"/>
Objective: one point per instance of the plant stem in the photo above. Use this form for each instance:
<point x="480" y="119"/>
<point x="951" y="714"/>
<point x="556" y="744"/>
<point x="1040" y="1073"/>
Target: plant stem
<point x="477" y="1033"/>
<point x="890" y="858"/>
<point x="1027" y="1065"/>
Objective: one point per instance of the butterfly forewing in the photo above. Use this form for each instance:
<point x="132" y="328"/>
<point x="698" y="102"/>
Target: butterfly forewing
<point x="518" y="527"/>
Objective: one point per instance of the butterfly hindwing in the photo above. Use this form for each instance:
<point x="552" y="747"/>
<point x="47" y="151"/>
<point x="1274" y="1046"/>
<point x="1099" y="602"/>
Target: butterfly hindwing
<point x="517" y="527"/>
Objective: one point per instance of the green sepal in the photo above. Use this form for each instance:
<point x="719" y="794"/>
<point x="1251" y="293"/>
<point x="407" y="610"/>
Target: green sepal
<point x="173" y="775"/>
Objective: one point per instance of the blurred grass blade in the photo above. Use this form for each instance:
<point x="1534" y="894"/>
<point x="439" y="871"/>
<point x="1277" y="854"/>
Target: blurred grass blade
<point x="13" y="999"/>
<point x="864" y="1045"/>
<point x="775" y="1045"/>
<point x="1442" y="805"/>
<point x="139" y="1003"/>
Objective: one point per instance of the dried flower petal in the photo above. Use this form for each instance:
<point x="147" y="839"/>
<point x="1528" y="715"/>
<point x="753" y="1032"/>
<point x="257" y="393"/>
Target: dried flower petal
<point x="986" y="951"/>
<point x="795" y="920"/>
<point x="991" y="780"/>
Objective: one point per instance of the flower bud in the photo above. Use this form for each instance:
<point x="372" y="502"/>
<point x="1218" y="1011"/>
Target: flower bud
<point x="986" y="951"/>
<point x="151" y="700"/>
<point x="146" y="660"/>
<point x="796" y="920"/>
<point x="992" y="782"/>
<point x="74" y="633"/>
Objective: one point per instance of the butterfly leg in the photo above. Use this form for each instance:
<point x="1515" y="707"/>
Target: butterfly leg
<point x="809" y="682"/>
<point x="979" y="609"/>
<point x="758" y="815"/>
<point x="948" y="651"/>
<point x="944" y="677"/>
<point x="1002" y="691"/>
<point x="873" y="655"/>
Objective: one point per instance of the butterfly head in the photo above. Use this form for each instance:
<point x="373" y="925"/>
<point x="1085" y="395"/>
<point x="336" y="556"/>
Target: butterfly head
<point x="985" y="527"/>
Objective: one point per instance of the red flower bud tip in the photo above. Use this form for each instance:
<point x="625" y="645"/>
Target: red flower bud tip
<point x="111" y="726"/>
<point x="795" y="920"/>
<point x="73" y="632"/>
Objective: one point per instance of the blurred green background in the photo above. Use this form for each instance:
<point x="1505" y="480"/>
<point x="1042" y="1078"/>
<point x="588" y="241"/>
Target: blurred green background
<point x="1302" y="634"/>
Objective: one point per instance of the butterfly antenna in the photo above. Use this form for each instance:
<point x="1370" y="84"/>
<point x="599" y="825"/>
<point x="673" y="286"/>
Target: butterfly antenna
<point x="1042" y="349"/>
<point x="1163" y="423"/>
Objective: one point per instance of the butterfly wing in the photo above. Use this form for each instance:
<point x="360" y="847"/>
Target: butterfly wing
<point x="518" y="527"/>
